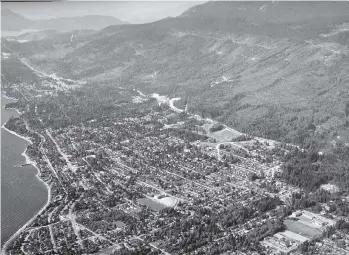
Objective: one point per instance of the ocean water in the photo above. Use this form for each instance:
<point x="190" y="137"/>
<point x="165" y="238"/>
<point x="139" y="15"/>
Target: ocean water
<point x="22" y="193"/>
<point x="6" y="33"/>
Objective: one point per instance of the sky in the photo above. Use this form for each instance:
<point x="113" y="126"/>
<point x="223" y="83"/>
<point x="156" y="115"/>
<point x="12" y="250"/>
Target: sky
<point x="131" y="11"/>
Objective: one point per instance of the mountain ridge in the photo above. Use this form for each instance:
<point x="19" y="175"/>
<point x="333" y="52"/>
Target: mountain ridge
<point x="12" y="21"/>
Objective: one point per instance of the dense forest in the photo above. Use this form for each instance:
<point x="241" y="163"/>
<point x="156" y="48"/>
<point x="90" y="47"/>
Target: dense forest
<point x="309" y="170"/>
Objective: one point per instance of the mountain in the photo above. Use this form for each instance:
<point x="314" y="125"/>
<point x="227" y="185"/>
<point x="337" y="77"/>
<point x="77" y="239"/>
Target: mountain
<point x="14" y="22"/>
<point x="75" y="23"/>
<point x="269" y="69"/>
<point x="269" y="12"/>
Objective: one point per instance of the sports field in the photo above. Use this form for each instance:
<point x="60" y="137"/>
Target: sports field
<point x="301" y="229"/>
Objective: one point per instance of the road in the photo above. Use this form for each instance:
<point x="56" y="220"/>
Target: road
<point x="70" y="166"/>
<point x="72" y="218"/>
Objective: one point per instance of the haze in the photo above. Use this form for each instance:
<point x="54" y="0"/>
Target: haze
<point x="133" y="12"/>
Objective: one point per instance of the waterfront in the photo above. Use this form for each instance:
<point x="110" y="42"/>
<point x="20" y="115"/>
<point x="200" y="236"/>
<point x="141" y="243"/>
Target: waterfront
<point x="22" y="193"/>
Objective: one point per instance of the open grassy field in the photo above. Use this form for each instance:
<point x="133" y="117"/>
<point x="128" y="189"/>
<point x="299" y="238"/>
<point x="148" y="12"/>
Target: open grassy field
<point x="151" y="204"/>
<point x="224" y="135"/>
<point x="301" y="229"/>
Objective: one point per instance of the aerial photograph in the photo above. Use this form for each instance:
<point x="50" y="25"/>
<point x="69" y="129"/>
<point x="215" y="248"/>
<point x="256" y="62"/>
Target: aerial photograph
<point x="175" y="127"/>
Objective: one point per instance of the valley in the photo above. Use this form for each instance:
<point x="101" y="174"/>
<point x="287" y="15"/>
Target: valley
<point x="121" y="181"/>
<point x="206" y="133"/>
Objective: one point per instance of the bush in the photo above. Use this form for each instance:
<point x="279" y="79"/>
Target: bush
<point x="216" y="127"/>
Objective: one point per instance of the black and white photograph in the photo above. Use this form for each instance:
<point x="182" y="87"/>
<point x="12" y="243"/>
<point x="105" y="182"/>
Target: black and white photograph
<point x="174" y="127"/>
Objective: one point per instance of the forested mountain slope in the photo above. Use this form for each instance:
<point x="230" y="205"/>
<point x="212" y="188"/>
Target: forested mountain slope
<point x="278" y="70"/>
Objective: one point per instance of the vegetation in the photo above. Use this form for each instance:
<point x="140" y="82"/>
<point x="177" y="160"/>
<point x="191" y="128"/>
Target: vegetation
<point x="216" y="127"/>
<point x="264" y="82"/>
<point x="309" y="170"/>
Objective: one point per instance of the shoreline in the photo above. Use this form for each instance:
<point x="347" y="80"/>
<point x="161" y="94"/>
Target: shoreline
<point x="13" y="99"/>
<point x="16" y="134"/>
<point x="28" y="160"/>
<point x="20" y="230"/>
<point x="15" y="109"/>
<point x="7" y="97"/>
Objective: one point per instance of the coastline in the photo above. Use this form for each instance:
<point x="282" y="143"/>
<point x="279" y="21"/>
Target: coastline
<point x="15" y="109"/>
<point x="16" y="134"/>
<point x="33" y="163"/>
<point x="7" y="97"/>
<point x="19" y="231"/>
<point x="10" y="98"/>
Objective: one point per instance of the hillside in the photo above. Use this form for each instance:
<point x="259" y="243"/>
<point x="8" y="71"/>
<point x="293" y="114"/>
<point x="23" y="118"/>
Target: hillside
<point x="270" y="69"/>
<point x="12" y="21"/>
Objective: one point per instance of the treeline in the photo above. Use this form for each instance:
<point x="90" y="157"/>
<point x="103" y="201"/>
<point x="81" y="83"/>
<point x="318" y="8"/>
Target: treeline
<point x="308" y="169"/>
<point x="303" y="169"/>
<point x="313" y="201"/>
<point x="240" y="214"/>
